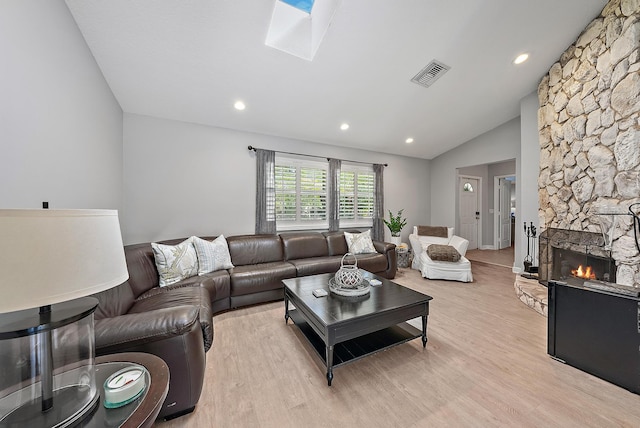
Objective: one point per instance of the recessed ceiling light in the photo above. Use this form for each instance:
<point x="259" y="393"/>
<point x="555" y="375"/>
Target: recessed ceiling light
<point x="344" y="126"/>
<point x="239" y="105"/>
<point x="409" y="140"/>
<point x="521" y="58"/>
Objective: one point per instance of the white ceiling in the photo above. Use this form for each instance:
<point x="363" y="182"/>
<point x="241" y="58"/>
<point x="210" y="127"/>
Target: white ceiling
<point x="190" y="60"/>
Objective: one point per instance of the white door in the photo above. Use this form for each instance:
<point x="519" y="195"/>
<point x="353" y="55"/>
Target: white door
<point x="469" y="210"/>
<point x="504" y="213"/>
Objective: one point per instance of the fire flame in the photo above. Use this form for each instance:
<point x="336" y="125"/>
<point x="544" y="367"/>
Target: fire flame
<point x="584" y="273"/>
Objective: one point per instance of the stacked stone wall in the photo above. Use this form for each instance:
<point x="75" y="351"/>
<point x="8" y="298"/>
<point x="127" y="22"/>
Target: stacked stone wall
<point x="589" y="124"/>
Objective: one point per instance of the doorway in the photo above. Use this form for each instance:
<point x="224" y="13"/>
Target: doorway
<point x="470" y="197"/>
<point x="487" y="249"/>
<point x="504" y="207"/>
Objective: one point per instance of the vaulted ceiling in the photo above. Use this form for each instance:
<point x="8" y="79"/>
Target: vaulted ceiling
<point x="191" y="60"/>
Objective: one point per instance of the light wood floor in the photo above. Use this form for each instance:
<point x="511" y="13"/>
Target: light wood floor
<point x="502" y="257"/>
<point x="485" y="365"/>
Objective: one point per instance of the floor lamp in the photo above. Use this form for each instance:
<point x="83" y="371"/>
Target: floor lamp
<point x="50" y="261"/>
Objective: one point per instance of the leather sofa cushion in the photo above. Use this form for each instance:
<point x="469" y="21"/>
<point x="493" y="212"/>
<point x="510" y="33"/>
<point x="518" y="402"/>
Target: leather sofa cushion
<point x="255" y="249"/>
<point x="141" y="264"/>
<point x="255" y="298"/>
<point x="302" y="245"/>
<point x="336" y="243"/>
<point x="316" y="265"/>
<point x="176" y="296"/>
<point x="114" y="301"/>
<point x="260" y="277"/>
<point x="371" y="262"/>
<point x="217" y="283"/>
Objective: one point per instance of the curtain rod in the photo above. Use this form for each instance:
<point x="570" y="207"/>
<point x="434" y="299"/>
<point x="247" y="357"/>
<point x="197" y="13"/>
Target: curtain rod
<point x="314" y="156"/>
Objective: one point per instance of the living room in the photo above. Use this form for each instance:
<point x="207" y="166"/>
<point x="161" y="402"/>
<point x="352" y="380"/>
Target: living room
<point x="73" y="140"/>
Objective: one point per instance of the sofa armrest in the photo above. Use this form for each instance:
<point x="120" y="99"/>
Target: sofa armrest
<point x="169" y="297"/>
<point x="173" y="334"/>
<point x="459" y="243"/>
<point x="383" y="247"/>
<point x="389" y="250"/>
<point x="145" y="327"/>
<point x="416" y="245"/>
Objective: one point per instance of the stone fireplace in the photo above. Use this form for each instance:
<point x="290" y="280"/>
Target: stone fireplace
<point x="589" y="128"/>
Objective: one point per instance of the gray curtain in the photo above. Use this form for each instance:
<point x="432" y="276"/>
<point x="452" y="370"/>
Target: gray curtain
<point x="265" y="191"/>
<point x="377" y="230"/>
<point x="333" y="192"/>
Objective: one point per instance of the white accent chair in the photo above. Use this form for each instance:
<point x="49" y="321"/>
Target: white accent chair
<point x="435" y="269"/>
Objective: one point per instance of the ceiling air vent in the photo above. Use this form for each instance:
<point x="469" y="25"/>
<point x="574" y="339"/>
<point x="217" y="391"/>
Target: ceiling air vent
<point x="432" y="72"/>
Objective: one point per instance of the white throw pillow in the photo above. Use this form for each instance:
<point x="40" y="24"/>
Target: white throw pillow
<point x="359" y="243"/>
<point x="175" y="262"/>
<point x="212" y="255"/>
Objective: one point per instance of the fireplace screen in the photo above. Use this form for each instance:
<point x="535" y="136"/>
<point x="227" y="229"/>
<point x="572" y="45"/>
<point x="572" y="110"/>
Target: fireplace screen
<point x="574" y="256"/>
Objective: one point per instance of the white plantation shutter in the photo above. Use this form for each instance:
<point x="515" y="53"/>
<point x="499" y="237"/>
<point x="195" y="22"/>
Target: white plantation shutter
<point x="313" y="193"/>
<point x="357" y="195"/>
<point x="286" y="191"/>
<point x="347" y="195"/>
<point x="366" y="193"/>
<point x="301" y="193"/>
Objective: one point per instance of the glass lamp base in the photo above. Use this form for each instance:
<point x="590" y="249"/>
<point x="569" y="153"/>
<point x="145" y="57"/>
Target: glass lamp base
<point x="65" y="411"/>
<point x="47" y="370"/>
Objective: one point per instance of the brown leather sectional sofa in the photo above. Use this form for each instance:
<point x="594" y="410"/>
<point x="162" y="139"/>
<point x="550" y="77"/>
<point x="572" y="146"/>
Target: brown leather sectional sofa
<point x="175" y="322"/>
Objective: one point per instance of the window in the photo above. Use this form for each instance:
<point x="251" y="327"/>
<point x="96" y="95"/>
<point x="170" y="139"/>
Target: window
<point x="301" y="193"/>
<point x="357" y="190"/>
<point x="301" y="199"/>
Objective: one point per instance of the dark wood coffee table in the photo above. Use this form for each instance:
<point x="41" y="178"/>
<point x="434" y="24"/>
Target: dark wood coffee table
<point x="344" y="329"/>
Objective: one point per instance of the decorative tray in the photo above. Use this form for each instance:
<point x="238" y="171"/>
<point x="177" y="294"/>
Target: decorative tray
<point x="360" y="289"/>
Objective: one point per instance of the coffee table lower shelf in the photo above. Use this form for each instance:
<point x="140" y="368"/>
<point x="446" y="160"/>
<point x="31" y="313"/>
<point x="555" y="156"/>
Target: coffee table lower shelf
<point x="358" y="347"/>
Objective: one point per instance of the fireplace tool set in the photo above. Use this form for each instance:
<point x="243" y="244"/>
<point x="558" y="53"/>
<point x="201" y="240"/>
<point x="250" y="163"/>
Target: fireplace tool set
<point x="608" y="223"/>
<point x="529" y="260"/>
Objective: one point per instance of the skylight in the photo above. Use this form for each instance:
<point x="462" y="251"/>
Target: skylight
<point x="297" y="29"/>
<point x="303" y="5"/>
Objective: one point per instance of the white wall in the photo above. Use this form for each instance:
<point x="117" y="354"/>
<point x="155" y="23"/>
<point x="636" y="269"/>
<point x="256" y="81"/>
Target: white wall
<point x="499" y="144"/>
<point x="60" y="126"/>
<point x="527" y="171"/>
<point x="183" y="179"/>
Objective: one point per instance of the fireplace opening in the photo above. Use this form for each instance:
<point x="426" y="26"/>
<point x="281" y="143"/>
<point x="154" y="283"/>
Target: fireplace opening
<point x="574" y="266"/>
<point x="574" y="257"/>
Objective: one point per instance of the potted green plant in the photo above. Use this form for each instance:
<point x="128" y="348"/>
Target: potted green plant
<point x="395" y="225"/>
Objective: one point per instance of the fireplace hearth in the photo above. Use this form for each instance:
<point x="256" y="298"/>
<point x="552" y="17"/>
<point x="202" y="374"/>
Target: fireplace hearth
<point x="574" y="257"/>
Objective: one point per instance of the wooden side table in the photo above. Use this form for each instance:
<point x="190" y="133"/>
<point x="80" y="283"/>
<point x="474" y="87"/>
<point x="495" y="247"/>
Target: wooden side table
<point x="143" y="411"/>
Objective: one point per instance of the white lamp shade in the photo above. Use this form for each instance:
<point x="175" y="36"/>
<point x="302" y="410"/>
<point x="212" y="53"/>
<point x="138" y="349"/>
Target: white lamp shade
<point x="52" y="256"/>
